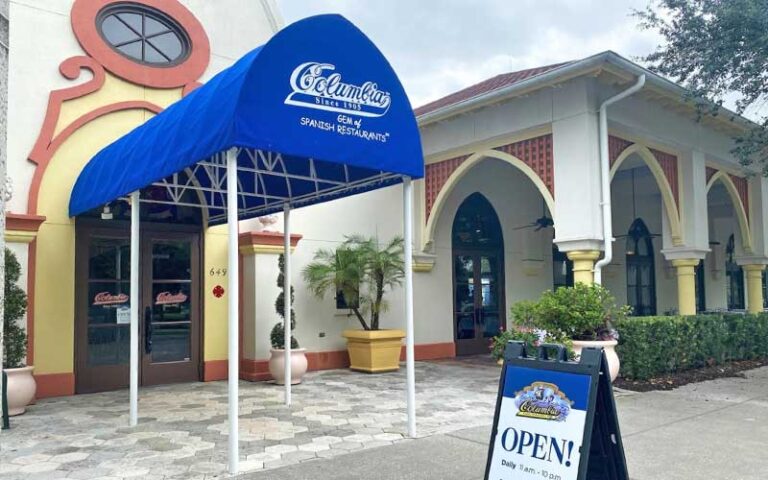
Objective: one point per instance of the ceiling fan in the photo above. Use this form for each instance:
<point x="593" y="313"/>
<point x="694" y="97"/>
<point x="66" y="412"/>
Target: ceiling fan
<point x="540" y="223"/>
<point x="636" y="231"/>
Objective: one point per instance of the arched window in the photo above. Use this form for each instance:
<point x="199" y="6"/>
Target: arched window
<point x="734" y="278"/>
<point x="641" y="272"/>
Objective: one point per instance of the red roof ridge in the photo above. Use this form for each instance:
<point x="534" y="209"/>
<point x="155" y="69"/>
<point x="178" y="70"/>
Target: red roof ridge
<point x="489" y="85"/>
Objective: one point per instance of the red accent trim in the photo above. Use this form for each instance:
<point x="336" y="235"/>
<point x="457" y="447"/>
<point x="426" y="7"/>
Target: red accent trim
<point x="70" y="69"/>
<point x="267" y="238"/>
<point x="83" y="16"/>
<point x="258" y="370"/>
<point x="254" y="370"/>
<point x="214" y="370"/>
<point x="710" y="173"/>
<point x="31" y="273"/>
<point x="327" y="360"/>
<point x="55" y="385"/>
<point x="432" y="351"/>
<point x="43" y="158"/>
<point x="742" y="186"/>
<point x="535" y="152"/>
<point x="23" y="222"/>
<point x="189" y="88"/>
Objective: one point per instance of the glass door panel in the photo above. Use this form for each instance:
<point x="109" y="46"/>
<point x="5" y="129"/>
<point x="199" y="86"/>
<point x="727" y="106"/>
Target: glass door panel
<point x="171" y="324"/>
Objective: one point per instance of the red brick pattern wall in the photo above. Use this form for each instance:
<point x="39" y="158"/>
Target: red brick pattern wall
<point x="537" y="154"/>
<point x="710" y="173"/>
<point x="743" y="188"/>
<point x="435" y="176"/>
<point x="667" y="161"/>
<point x="534" y="152"/>
<point x="668" y="164"/>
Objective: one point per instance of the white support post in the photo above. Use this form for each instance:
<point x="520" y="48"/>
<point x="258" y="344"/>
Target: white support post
<point x="134" y="305"/>
<point x="287" y="301"/>
<point x="409" y="341"/>
<point x="233" y="355"/>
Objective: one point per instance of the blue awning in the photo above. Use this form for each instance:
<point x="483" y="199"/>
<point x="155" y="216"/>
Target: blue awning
<point x="317" y="113"/>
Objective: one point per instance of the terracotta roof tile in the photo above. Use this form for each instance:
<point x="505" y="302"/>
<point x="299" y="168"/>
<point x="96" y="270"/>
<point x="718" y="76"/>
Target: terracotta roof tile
<point x="494" y="83"/>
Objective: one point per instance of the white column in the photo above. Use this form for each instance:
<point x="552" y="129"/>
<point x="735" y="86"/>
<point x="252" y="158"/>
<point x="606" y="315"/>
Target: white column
<point x="408" y="254"/>
<point x="134" y="343"/>
<point x="233" y="355"/>
<point x="287" y="301"/>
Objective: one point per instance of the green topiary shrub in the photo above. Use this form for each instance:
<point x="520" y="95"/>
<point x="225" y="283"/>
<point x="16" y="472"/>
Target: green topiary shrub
<point x="15" y="304"/>
<point x="277" y="335"/>
<point x="653" y="346"/>
<point x="581" y="312"/>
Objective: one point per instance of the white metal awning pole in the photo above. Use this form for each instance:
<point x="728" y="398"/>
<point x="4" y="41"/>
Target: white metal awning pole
<point x="287" y="300"/>
<point x="134" y="305"/>
<point x="233" y="355"/>
<point x="408" y="254"/>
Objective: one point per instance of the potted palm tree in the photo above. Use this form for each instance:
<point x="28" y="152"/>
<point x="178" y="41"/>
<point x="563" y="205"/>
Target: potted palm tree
<point x="362" y="271"/>
<point x="277" y="338"/>
<point x="21" y="383"/>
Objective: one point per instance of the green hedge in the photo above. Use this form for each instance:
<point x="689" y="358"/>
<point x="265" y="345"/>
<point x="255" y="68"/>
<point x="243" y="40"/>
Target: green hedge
<point x="652" y="346"/>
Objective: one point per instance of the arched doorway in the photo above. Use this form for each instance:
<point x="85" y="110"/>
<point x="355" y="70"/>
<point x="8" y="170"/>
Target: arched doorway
<point x="478" y="275"/>
<point x="170" y="302"/>
<point x="641" y="276"/>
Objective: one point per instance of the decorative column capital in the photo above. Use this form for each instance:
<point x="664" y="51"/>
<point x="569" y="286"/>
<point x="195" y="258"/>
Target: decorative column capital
<point x="21" y="227"/>
<point x="270" y="243"/>
<point x="583" y="255"/>
<point x="683" y="263"/>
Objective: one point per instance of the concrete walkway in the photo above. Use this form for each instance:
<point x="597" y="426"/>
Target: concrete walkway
<point x="711" y="430"/>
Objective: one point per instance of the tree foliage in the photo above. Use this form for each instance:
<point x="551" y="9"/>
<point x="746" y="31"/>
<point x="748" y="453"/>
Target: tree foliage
<point x="15" y="304"/>
<point x="716" y="48"/>
<point x="359" y="269"/>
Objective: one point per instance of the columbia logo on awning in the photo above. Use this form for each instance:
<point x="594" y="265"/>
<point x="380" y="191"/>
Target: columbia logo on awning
<point x="315" y="86"/>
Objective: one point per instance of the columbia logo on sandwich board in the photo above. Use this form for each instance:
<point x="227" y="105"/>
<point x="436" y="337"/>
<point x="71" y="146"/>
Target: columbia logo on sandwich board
<point x="555" y="419"/>
<point x="319" y="86"/>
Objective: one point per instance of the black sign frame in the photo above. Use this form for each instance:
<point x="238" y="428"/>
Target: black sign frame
<point x="605" y="459"/>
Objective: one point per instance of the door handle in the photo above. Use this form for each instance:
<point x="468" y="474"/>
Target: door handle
<point x="147" y="330"/>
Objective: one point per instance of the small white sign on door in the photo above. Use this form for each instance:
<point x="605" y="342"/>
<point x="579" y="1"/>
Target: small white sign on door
<point x="123" y="315"/>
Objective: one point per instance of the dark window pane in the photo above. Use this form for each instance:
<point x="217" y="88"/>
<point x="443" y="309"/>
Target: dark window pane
<point x="108" y="345"/>
<point x="115" y="31"/>
<point x="167" y="43"/>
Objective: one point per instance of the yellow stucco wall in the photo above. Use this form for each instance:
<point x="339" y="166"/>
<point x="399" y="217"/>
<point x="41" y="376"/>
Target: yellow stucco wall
<point x="215" y="309"/>
<point x="55" y="275"/>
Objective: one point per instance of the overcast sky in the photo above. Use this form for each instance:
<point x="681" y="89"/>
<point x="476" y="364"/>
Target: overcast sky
<point x="440" y="46"/>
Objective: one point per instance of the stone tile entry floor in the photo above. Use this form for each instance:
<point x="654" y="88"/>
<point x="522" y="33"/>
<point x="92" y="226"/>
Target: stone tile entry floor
<point x="182" y="431"/>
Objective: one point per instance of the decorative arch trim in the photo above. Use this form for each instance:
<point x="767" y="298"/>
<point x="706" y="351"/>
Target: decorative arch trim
<point x="463" y="168"/>
<point x="43" y="156"/>
<point x="667" y="193"/>
<point x="738" y="199"/>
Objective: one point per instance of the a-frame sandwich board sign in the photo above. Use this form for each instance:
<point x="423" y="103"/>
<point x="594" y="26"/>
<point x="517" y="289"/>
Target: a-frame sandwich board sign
<point x="555" y="419"/>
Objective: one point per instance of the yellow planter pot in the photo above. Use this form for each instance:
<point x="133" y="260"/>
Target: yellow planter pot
<point x="374" y="351"/>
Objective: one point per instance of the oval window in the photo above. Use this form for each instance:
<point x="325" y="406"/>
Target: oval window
<point x="143" y="34"/>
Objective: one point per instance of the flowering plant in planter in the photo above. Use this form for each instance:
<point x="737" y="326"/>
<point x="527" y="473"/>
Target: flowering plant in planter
<point x="523" y="329"/>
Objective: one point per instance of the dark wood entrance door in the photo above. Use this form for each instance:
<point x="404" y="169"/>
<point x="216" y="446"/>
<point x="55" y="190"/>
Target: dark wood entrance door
<point x="478" y="304"/>
<point x="170" y="326"/>
<point x="478" y="276"/>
